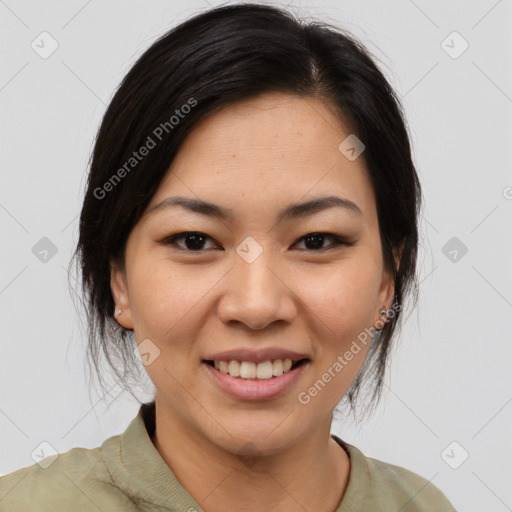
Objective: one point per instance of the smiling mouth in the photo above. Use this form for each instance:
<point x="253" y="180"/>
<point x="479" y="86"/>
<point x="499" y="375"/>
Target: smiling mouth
<point x="248" y="370"/>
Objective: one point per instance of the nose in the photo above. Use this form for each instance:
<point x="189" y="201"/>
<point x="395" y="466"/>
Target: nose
<point x="257" y="294"/>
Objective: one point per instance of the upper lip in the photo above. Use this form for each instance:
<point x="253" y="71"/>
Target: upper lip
<point x="256" y="356"/>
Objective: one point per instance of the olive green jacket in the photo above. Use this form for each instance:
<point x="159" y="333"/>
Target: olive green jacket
<point x="128" y="474"/>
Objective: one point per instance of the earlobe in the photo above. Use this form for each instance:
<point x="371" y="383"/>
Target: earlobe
<point x="386" y="294"/>
<point x="119" y="289"/>
<point x="387" y="289"/>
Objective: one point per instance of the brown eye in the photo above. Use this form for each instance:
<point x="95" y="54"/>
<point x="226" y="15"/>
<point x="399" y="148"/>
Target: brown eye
<point x="315" y="241"/>
<point x="192" y="240"/>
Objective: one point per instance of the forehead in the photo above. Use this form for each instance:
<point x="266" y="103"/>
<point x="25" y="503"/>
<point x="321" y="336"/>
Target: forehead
<point x="270" y="150"/>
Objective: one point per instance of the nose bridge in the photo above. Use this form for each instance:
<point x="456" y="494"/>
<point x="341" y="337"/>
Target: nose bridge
<point x="258" y="280"/>
<point x="256" y="295"/>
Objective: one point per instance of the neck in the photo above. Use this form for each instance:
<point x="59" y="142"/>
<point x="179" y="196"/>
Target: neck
<point x="310" y="476"/>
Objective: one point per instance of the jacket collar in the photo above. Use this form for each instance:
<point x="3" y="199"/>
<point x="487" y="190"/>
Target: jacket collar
<point x="139" y="470"/>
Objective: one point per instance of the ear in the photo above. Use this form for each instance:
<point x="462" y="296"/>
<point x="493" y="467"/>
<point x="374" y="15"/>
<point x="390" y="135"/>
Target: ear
<point x="119" y="288"/>
<point x="387" y="287"/>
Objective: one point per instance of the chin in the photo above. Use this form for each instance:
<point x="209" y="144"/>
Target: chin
<point x="258" y="438"/>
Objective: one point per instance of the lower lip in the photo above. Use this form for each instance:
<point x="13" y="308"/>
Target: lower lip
<point x="255" y="389"/>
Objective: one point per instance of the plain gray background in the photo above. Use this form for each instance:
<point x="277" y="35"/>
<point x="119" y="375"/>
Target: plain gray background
<point x="450" y="375"/>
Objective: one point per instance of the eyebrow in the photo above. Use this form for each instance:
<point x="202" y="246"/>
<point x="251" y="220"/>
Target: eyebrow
<point x="291" y="211"/>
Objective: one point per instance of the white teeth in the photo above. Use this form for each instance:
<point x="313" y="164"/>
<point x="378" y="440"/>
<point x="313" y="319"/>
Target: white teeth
<point x="250" y="370"/>
<point x="247" y="370"/>
<point x="264" y="370"/>
<point x="234" y="368"/>
<point x="277" y="368"/>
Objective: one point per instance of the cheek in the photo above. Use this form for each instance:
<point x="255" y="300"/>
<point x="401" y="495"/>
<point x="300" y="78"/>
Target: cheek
<point x="167" y="298"/>
<point x="342" y="299"/>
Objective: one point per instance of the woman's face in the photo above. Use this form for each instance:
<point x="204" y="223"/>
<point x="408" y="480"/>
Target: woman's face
<point x="256" y="285"/>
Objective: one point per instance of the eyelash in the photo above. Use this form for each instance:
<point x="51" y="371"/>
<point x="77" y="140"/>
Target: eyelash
<point x="171" y="240"/>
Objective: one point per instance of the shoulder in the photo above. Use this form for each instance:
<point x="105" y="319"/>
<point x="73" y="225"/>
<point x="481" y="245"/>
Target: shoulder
<point x="75" y="480"/>
<point x="381" y="486"/>
<point x="403" y="484"/>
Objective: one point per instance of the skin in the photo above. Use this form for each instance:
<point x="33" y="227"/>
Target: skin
<point x="255" y="157"/>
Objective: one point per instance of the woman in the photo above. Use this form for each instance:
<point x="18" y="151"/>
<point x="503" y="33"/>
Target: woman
<point x="250" y="229"/>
